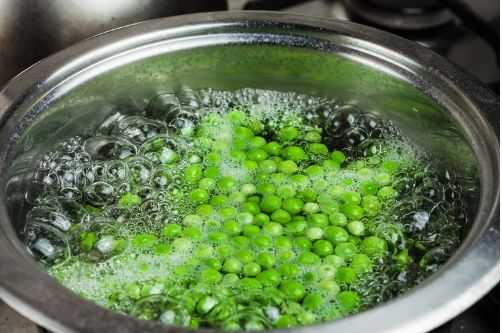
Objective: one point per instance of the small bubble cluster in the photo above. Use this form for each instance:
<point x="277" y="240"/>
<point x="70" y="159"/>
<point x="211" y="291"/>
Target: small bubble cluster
<point x="243" y="210"/>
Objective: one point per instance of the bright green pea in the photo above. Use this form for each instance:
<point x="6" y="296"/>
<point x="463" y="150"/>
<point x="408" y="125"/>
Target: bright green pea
<point x="278" y="177"/>
<point x="302" y="243"/>
<point x="260" y="219"/>
<point x="308" y="258"/>
<point x="356" y="228"/>
<point x="227" y="184"/>
<point x="204" y="251"/>
<point x="251" y="230"/>
<point x="322" y="248"/>
<point x="237" y="197"/>
<point x="232" y="266"/>
<point x="383" y="178"/>
<point x="224" y="250"/>
<point x="172" y="230"/>
<point x="219" y="146"/>
<point x="288" y="270"/>
<point x="365" y="172"/>
<point x="329" y="287"/>
<point x="361" y="263"/>
<point x="338" y="157"/>
<point x="248" y="189"/>
<point x="144" y="240"/>
<point x="204" y="210"/>
<point x="205" y="305"/>
<point x="346" y="275"/>
<point x="313" y="302"/>
<point x="371" y="205"/>
<point x="273" y="148"/>
<point x="232" y="228"/>
<point x="331" y="165"/>
<point x="288" y="133"/>
<point x="348" y="299"/>
<point x="213" y="159"/>
<point x="283" y="242"/>
<point x="199" y="196"/>
<point x="292" y="205"/>
<point x="293" y="153"/>
<point x="239" y="144"/>
<point x="300" y="180"/>
<point x="192" y="220"/>
<point x="249" y="284"/>
<point x="317" y="149"/>
<point x="210" y="275"/>
<point x="240" y="241"/>
<point x="262" y="176"/>
<point x="257" y="142"/>
<point x="293" y="289"/>
<point x="212" y="172"/>
<point x="336" y="191"/>
<point x="257" y="155"/>
<point x="245" y="255"/>
<point x="192" y="233"/>
<point x="162" y="249"/>
<point x="355" y="240"/>
<point x="309" y="277"/>
<point x="193" y="173"/>
<point x="281" y="216"/>
<point x="368" y="187"/>
<point x="269" y="278"/>
<point x="288" y="167"/>
<point x="262" y="241"/>
<point x="329" y="207"/>
<point x="352" y="211"/>
<point x="266" y="188"/>
<point x="334" y="260"/>
<point x="312" y="137"/>
<point x="326" y="272"/>
<point x="219" y="200"/>
<point x="319" y="220"/>
<point x="308" y="195"/>
<point x="323" y="198"/>
<point x="252" y="269"/>
<point x="250" y="165"/>
<point x="237" y="116"/>
<point x="243" y="133"/>
<point x="314" y="233"/>
<point x="313" y="170"/>
<point x="338" y="219"/>
<point x="386" y="193"/>
<point x="181" y="244"/>
<point x="227" y="212"/>
<point x="373" y="245"/>
<point x="389" y="166"/>
<point x="237" y="155"/>
<point x="285" y="256"/>
<point x="251" y="208"/>
<point x="296" y="228"/>
<point x="270" y="204"/>
<point x="273" y="229"/>
<point x="346" y="250"/>
<point x="286" y="191"/>
<point x="268" y="166"/>
<point x="351" y="197"/>
<point x="265" y="259"/>
<point x="311" y="208"/>
<point x="217" y="236"/>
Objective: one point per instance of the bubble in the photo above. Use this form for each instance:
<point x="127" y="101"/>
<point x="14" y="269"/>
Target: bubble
<point x="99" y="193"/>
<point x="172" y="311"/>
<point x="37" y="191"/>
<point x="160" y="106"/>
<point x="340" y="119"/>
<point x="137" y="128"/>
<point x="99" y="240"/>
<point x="109" y="147"/>
<point x="47" y="244"/>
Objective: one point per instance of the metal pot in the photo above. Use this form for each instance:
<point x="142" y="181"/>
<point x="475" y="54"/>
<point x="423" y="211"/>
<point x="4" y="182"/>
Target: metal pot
<point x="34" y="29"/>
<point x="436" y="104"/>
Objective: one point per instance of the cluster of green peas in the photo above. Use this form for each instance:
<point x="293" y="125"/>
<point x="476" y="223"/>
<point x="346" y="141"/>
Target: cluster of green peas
<point x="288" y="221"/>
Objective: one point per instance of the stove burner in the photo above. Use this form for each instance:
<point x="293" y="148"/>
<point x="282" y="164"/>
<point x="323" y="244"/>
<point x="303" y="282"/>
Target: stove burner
<point x="401" y="15"/>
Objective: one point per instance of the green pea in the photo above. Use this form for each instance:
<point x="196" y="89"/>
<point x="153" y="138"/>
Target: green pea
<point x="227" y="184"/>
<point x="248" y="189"/>
<point x="262" y="176"/>
<point x="308" y="258"/>
<point x="318" y="149"/>
<point x="217" y="236"/>
<point x="356" y="228"/>
<point x="232" y="228"/>
<point x="213" y="263"/>
<point x="212" y="172"/>
<point x="352" y="211"/>
<point x="181" y="244"/>
<point x="251" y="208"/>
<point x="262" y="241"/>
<point x="243" y="133"/>
<point x="227" y="212"/>
<point x="346" y="250"/>
<point x="313" y="302"/>
<point x="240" y="241"/>
<point x="373" y="245"/>
<point x="273" y="229"/>
<point x="285" y="321"/>
<point x="192" y="233"/>
<point x="351" y="197"/>
<point x="204" y="210"/>
<point x="193" y="173"/>
<point x="225" y="251"/>
<point x="288" y="270"/>
<point x="260" y="219"/>
<point x="204" y="251"/>
<point x="386" y="193"/>
<point x="266" y="188"/>
<point x="329" y="207"/>
<point x="338" y="157"/>
<point x="192" y="220"/>
<point x="205" y="305"/>
<point x="283" y="242"/>
<point x="172" y="230"/>
<point x="270" y="204"/>
<point x="269" y="278"/>
<point x="383" y="178"/>
<point x="219" y="200"/>
<point x="232" y="266"/>
<point x="287" y="167"/>
<point x="368" y="187"/>
<point x="331" y="165"/>
<point x="302" y="243"/>
<point x="313" y="170"/>
<point x="278" y="177"/>
<point x="293" y="153"/>
<point x="322" y="248"/>
<point x="314" y="233"/>
<point x="240" y="144"/>
<point x="338" y="219"/>
<point x="326" y="272"/>
<point x="273" y="148"/>
<point x="211" y="276"/>
<point x="311" y="208"/>
<point x="300" y="180"/>
<point x="308" y="195"/>
<point x="213" y="159"/>
<point x="312" y="137"/>
<point x="162" y="249"/>
<point x="237" y="155"/>
<point x="256" y="126"/>
<point x="288" y="133"/>
<point x="281" y="216"/>
<point x="361" y="263"/>
<point x="257" y="155"/>
<point x="309" y="277"/>
<point x="319" y="220"/>
<point x="371" y="205"/>
<point x="199" y="196"/>
<point x="284" y="256"/>
<point x="251" y="230"/>
<point x="292" y="205"/>
<point x="336" y="191"/>
<point x="219" y="146"/>
<point x="268" y="166"/>
<point x="286" y="191"/>
<point x="365" y="172"/>
<point x="265" y="259"/>
<point x="293" y="289"/>
<point x="329" y="287"/>
<point x="334" y="260"/>
<point x="348" y="299"/>
<point x="249" y="284"/>
<point x="257" y="142"/>
<point x="245" y="218"/>
<point x="237" y="198"/>
<point x="252" y="269"/>
<point x="245" y="255"/>
<point x="389" y="166"/>
<point x="250" y="165"/>
<point x="296" y="228"/>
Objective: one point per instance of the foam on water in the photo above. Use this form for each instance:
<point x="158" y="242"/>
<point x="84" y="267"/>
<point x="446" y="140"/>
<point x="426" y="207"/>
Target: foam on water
<point x="79" y="190"/>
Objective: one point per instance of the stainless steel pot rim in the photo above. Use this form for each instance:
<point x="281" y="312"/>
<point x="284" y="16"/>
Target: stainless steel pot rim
<point x="27" y="287"/>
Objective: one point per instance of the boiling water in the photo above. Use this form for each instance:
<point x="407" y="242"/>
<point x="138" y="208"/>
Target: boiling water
<point x="104" y="211"/>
